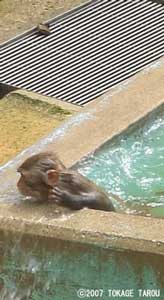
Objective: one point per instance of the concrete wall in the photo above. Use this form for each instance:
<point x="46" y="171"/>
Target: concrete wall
<point x="45" y="268"/>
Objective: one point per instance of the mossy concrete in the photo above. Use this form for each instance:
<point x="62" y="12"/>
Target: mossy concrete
<point x="46" y="268"/>
<point x="39" y="97"/>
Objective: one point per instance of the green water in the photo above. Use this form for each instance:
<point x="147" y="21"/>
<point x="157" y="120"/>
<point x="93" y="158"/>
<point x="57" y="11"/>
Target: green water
<point x="33" y="268"/>
<point x="132" y="167"/>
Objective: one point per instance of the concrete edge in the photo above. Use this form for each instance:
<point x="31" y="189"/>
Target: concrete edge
<point x="106" y="234"/>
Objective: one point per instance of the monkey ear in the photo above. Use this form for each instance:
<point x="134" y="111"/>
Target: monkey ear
<point x="51" y="177"/>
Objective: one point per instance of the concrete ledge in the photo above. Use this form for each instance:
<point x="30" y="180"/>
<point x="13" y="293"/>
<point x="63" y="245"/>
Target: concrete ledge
<point x="116" y="231"/>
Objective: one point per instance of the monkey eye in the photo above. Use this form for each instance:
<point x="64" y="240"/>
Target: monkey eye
<point x="20" y="172"/>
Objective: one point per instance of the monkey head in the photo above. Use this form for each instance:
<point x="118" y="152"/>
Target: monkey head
<point x="38" y="173"/>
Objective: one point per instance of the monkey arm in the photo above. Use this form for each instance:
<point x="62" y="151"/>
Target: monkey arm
<point x="94" y="200"/>
<point x="73" y="201"/>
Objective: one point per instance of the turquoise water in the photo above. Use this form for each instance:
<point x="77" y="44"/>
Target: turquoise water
<point x="132" y="167"/>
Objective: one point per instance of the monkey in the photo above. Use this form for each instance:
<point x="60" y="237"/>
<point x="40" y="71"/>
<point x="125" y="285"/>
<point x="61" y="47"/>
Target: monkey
<point x="44" y="177"/>
<point x="43" y="29"/>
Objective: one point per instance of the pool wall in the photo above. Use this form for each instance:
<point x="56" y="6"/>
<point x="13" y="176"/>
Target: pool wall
<point x="66" y="270"/>
<point x="98" y="122"/>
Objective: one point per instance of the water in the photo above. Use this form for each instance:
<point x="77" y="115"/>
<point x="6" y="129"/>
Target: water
<point x="132" y="167"/>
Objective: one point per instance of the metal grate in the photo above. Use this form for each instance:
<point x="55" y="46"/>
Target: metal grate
<point x="90" y="49"/>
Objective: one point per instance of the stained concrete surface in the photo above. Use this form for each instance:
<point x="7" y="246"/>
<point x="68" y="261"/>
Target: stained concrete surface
<point x="47" y="268"/>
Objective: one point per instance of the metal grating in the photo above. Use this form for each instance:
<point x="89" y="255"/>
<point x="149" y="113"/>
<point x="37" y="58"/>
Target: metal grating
<point x="90" y="49"/>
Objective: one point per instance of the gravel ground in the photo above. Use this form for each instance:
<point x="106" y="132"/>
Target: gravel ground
<point x="20" y="15"/>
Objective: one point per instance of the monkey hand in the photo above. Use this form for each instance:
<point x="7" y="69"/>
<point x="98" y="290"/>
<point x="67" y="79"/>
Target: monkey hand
<point x="58" y="196"/>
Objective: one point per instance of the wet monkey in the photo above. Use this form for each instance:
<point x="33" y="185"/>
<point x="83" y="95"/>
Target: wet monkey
<point x="44" y="177"/>
<point x="33" y="173"/>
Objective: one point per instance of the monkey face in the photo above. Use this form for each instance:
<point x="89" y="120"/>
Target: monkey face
<point x="35" y="189"/>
